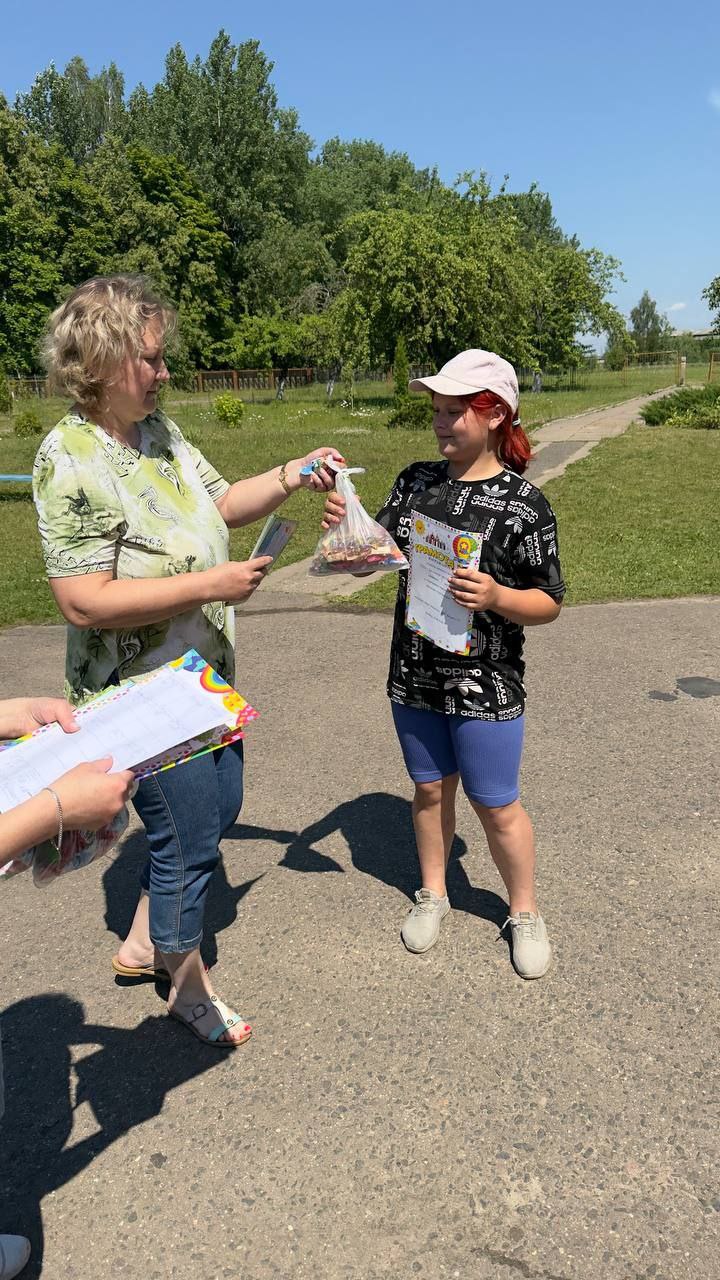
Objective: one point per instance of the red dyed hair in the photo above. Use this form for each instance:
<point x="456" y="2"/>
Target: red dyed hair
<point x="513" y="445"/>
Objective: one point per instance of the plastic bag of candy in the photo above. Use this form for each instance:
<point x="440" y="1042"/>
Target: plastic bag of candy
<point x="358" y="544"/>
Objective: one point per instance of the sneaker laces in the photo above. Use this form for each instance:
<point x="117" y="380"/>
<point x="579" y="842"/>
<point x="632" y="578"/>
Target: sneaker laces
<point x="525" y="923"/>
<point x="425" y="900"/>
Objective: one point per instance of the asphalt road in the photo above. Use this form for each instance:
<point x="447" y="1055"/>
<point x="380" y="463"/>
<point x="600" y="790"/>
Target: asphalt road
<point x="394" y="1116"/>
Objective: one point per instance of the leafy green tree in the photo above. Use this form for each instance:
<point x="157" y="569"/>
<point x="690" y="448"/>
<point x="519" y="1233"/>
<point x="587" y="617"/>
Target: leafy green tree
<point x="569" y="300"/>
<point x="75" y="109"/>
<point x="221" y="118"/>
<point x="347" y="178"/>
<point x="620" y="348"/>
<point x="288" y="269"/>
<point x="273" y="342"/>
<point x="54" y="230"/>
<point x="712" y="296"/>
<point x="651" y="330"/>
<point x="163" y="227"/>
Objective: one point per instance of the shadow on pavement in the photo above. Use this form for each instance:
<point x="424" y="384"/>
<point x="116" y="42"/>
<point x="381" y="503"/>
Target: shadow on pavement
<point x="37" y="1035"/>
<point x="378" y="830"/>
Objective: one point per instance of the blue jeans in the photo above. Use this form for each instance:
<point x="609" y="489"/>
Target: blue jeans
<point x="185" y="811"/>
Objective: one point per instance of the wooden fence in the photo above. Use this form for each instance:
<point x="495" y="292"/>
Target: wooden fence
<point x="251" y="379"/>
<point x="25" y="387"/>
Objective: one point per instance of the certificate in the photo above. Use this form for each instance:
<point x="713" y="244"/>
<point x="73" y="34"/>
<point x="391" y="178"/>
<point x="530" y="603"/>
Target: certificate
<point x="436" y="551"/>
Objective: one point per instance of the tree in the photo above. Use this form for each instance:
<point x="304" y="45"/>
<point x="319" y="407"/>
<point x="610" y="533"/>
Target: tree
<point x="75" y="109"/>
<point x="620" y="348"/>
<point x="221" y="119"/>
<point x="462" y="274"/>
<point x="287" y="268"/>
<point x="350" y="177"/>
<point x="163" y="227"/>
<point x="712" y="296"/>
<point x="650" y="330"/>
<point x="272" y="342"/>
<point x="55" y="229"/>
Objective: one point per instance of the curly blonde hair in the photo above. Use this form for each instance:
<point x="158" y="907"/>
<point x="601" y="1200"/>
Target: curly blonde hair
<point x="90" y="334"/>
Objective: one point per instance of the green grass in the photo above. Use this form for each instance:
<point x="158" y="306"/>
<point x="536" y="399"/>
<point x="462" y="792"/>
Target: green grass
<point x="639" y="518"/>
<point x="272" y="432"/>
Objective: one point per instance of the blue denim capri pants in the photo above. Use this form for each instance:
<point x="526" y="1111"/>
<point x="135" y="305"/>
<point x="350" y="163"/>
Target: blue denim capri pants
<point x="185" y="812"/>
<point x="486" y="753"/>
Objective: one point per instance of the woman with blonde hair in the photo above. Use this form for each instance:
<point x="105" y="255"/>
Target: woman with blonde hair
<point x="134" y="526"/>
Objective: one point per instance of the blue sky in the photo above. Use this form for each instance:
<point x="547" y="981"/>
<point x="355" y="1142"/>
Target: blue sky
<point x="612" y="109"/>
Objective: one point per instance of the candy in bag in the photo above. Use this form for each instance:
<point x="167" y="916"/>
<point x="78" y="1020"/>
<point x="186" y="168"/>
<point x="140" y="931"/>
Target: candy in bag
<point x="358" y="543"/>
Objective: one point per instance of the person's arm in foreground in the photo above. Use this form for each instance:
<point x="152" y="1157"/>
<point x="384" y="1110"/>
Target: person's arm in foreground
<point x="103" y="601"/>
<point x="249" y="500"/>
<point x="100" y="600"/>
<point x="89" y="795"/>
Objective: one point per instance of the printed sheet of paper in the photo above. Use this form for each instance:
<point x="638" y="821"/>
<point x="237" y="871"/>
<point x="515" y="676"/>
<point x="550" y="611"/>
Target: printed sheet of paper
<point x="137" y="724"/>
<point x="274" y="538"/>
<point x="436" y="550"/>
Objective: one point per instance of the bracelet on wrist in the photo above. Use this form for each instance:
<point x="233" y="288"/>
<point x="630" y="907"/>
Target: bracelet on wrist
<point x="58" y="805"/>
<point x="282" y="477"/>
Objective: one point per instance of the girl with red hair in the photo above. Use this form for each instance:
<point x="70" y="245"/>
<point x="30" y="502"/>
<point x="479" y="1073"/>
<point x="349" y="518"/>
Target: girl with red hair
<point x="461" y="717"/>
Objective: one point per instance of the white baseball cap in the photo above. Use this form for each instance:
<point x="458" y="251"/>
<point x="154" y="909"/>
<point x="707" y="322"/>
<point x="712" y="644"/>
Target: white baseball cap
<point x="474" y="371"/>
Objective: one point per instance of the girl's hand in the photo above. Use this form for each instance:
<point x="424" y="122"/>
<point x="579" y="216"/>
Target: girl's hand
<point x="321" y="480"/>
<point x="334" y="510"/>
<point x="19" y="716"/>
<point x="473" y="590"/>
<point x="91" y="796"/>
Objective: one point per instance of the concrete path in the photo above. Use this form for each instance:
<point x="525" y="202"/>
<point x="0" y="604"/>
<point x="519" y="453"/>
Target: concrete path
<point x="394" y="1116"/>
<point x="555" y="446"/>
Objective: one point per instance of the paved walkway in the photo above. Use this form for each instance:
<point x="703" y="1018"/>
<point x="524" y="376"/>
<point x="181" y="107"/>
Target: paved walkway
<point x="394" y="1116"/>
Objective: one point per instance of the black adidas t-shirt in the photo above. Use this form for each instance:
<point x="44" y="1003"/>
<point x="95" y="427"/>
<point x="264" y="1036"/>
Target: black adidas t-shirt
<point x="519" y="550"/>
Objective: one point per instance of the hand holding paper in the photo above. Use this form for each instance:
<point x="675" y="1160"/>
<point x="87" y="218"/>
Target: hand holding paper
<point x="473" y="590"/>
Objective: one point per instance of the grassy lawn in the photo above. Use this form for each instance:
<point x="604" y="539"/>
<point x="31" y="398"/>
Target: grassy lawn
<point x="273" y="432"/>
<point x="639" y="518"/>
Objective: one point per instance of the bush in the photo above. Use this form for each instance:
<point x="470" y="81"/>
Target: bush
<point x="704" y="417"/>
<point x="687" y="399"/>
<point x="28" y="423"/>
<point x="228" y="409"/>
<point x="5" y="397"/>
<point x="413" y="413"/>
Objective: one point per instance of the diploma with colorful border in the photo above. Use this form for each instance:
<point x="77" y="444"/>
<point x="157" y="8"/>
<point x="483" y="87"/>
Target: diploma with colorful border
<point x="436" y="551"/>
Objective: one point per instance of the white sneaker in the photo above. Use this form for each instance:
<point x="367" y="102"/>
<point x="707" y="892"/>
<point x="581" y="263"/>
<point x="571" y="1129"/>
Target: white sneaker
<point x="14" y="1253"/>
<point x="531" y="954"/>
<point x="421" y="926"/>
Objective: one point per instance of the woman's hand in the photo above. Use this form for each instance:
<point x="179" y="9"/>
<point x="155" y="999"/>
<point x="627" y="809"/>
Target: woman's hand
<point x="235" y="581"/>
<point x="334" y="510"/>
<point x="19" y="716"/>
<point x="321" y="480"/>
<point x="473" y="590"/>
<point x="90" y="796"/>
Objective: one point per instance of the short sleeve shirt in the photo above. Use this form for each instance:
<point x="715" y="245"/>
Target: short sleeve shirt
<point x="150" y="512"/>
<point x="519" y="550"/>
